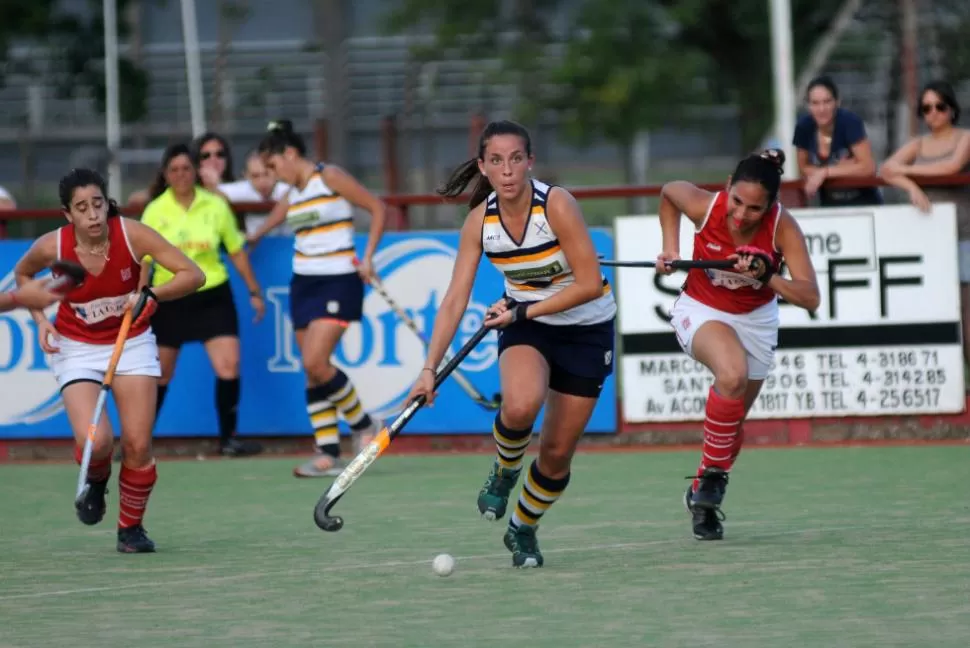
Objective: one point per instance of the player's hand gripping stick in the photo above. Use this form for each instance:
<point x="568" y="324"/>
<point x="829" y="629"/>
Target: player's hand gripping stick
<point x="374" y="449"/>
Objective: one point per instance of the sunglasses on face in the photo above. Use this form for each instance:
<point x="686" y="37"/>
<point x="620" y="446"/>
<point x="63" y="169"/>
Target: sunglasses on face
<point x="926" y="109"/>
<point x="205" y="155"/>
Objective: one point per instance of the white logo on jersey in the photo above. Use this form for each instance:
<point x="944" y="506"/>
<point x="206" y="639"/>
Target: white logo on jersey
<point x="99" y="310"/>
<point x="714" y="246"/>
<point x="126" y="274"/>
<point x="607" y="357"/>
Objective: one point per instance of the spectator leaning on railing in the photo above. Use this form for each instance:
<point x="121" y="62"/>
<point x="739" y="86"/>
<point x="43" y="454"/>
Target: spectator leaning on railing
<point x="945" y="150"/>
<point x="832" y="143"/>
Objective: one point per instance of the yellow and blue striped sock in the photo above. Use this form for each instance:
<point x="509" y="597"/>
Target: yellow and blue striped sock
<point x="323" y="418"/>
<point x="344" y="396"/>
<point x="510" y="444"/>
<point x="538" y="494"/>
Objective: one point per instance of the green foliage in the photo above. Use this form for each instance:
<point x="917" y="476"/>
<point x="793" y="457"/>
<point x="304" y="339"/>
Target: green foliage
<point x="628" y="64"/>
<point x="514" y="36"/>
<point x="76" y="44"/>
<point x="619" y="74"/>
<point x="735" y="36"/>
<point x="953" y="39"/>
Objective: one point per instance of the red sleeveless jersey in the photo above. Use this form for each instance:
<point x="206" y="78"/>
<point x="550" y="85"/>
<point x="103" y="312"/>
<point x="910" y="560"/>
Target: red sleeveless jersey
<point x="93" y="312"/>
<point x="727" y="290"/>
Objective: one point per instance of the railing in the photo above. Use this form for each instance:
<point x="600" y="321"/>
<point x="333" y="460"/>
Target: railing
<point x="792" y="195"/>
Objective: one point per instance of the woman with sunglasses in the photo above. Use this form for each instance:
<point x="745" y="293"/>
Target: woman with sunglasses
<point x="944" y="150"/>
<point x="832" y="143"/>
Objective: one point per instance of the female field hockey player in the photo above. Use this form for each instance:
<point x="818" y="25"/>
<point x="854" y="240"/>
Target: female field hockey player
<point x="82" y="336"/>
<point x="555" y="341"/>
<point x="728" y="319"/>
<point x="326" y="290"/>
<point x="200" y="223"/>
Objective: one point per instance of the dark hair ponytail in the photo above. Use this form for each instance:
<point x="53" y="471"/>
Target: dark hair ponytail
<point x="464" y="174"/>
<point x="280" y="136"/>
<point x="461" y="177"/>
<point x="765" y="168"/>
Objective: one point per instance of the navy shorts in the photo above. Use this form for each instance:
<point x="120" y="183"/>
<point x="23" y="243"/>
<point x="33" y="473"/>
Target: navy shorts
<point x="333" y="297"/>
<point x="580" y="357"/>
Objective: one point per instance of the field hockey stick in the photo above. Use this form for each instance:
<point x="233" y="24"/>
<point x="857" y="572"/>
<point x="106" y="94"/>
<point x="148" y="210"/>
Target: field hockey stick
<point x="680" y="264"/>
<point x="374" y="449"/>
<point x="459" y="377"/>
<point x="82" y="485"/>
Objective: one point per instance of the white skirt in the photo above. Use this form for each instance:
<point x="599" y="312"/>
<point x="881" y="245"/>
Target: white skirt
<point x="757" y="330"/>
<point x="76" y="361"/>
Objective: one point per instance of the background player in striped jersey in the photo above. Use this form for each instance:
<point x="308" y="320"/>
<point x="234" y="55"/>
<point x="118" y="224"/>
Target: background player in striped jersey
<point x="82" y="336"/>
<point x="555" y="344"/>
<point x="728" y="319"/>
<point x="326" y="291"/>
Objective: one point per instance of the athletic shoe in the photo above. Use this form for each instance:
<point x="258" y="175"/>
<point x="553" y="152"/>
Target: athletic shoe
<point x="524" y="546"/>
<point x="134" y="540"/>
<point x="493" y="499"/>
<point x="320" y="466"/>
<point x="91" y="508"/>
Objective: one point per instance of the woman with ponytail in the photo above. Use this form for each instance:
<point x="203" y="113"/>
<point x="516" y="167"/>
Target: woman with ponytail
<point x="327" y="287"/>
<point x="555" y="325"/>
<point x="728" y="319"/>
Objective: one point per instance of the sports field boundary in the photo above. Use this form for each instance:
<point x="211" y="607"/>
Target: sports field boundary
<point x="192" y="448"/>
<point x="949" y="429"/>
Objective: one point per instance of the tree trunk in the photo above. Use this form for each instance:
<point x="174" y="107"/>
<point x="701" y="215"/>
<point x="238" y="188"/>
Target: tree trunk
<point x="331" y="32"/>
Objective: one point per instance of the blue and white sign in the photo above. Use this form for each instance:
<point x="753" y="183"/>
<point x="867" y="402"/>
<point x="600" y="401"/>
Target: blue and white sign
<point x="381" y="354"/>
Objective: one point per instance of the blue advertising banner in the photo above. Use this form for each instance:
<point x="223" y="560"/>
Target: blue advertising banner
<point x="380" y="354"/>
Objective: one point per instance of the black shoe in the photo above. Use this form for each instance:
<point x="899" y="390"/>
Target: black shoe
<point x="704" y="504"/>
<point x="706" y="524"/>
<point x="134" y="540"/>
<point x="710" y="489"/>
<point x="91" y="508"/>
<point x="239" y="448"/>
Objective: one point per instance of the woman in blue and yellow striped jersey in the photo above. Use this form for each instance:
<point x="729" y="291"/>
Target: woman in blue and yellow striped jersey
<point x="327" y="289"/>
<point x="555" y="341"/>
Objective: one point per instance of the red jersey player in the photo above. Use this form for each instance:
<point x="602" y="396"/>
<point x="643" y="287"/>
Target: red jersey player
<point x="728" y="319"/>
<point x="110" y="248"/>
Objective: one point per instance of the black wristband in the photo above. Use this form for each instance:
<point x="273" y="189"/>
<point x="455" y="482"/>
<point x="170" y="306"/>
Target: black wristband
<point x="520" y="312"/>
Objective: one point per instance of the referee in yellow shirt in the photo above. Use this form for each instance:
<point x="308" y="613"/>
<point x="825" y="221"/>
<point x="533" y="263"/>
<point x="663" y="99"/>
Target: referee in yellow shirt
<point x="199" y="223"/>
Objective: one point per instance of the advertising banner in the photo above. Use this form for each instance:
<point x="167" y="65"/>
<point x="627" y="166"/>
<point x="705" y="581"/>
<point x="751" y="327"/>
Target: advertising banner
<point x="886" y="339"/>
<point x="380" y="354"/>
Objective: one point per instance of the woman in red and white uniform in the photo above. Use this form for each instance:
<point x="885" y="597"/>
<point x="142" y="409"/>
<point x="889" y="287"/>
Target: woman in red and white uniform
<point x="728" y="319"/>
<point x="82" y="336"/>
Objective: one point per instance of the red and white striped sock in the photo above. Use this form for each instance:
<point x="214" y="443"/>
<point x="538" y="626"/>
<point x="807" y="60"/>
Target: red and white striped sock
<point x="722" y="426"/>
<point x="134" y="486"/>
<point x="99" y="469"/>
